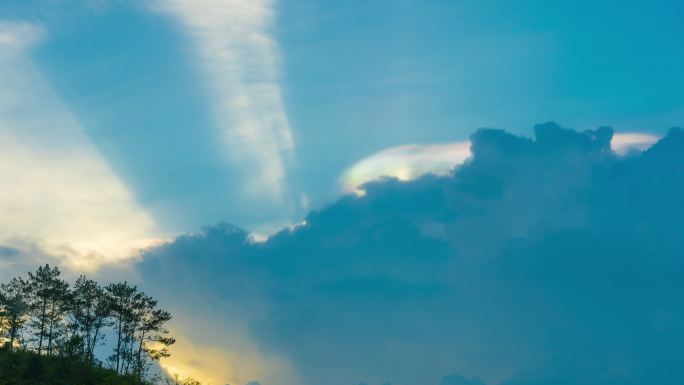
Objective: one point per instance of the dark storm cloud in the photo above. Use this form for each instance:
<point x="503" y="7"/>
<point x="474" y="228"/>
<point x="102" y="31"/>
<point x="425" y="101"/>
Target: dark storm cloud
<point x="540" y="261"/>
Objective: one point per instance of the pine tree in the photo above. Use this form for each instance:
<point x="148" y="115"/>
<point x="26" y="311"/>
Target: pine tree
<point x="120" y="298"/>
<point x="48" y="300"/>
<point x="89" y="313"/>
<point x="59" y="302"/>
<point x="72" y="323"/>
<point x="152" y="337"/>
<point x="13" y="310"/>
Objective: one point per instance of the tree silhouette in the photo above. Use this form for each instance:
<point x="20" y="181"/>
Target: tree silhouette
<point x="88" y="314"/>
<point x="48" y="300"/>
<point x="13" y="310"/>
<point x="72" y="321"/>
<point x="120" y="300"/>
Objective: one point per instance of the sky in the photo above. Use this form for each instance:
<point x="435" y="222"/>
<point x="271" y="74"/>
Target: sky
<point x="360" y="192"/>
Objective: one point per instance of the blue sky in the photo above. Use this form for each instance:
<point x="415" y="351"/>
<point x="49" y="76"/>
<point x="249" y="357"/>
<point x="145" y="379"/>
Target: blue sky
<point x="126" y="124"/>
<point x="352" y="79"/>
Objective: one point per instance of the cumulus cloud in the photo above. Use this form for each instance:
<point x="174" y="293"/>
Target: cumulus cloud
<point x="541" y="261"/>
<point x="409" y="162"/>
<point x="58" y="193"/>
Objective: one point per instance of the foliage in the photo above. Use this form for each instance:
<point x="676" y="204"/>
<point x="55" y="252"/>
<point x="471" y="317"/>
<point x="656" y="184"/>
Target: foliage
<point x="45" y="323"/>
<point x="24" y="367"/>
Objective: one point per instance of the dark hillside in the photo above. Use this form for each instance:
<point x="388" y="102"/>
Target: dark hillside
<point x="28" y="368"/>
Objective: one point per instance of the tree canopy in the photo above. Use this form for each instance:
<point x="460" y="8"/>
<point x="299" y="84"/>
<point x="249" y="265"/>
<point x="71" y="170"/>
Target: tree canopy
<point x="45" y="319"/>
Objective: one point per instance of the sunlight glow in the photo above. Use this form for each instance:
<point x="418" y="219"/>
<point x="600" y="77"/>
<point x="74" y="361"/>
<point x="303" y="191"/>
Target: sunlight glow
<point x="214" y="365"/>
<point x="411" y="161"/>
<point x="623" y="143"/>
<point x="405" y="163"/>
<point x="58" y="192"/>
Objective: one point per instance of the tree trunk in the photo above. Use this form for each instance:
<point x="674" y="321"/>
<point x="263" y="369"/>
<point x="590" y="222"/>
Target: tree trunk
<point x="13" y="333"/>
<point x="52" y="321"/>
<point x="88" y="327"/>
<point x="91" y="347"/>
<point x="42" y="326"/>
<point x="139" y="359"/>
<point x="118" y="343"/>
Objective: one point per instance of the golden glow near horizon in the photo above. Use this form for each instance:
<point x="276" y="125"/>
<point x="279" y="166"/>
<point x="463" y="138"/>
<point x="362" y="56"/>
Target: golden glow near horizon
<point x="208" y="366"/>
<point x="217" y="366"/>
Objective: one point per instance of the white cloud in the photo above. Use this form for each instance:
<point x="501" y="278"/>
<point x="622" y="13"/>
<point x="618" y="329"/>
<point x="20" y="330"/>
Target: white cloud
<point x="240" y="61"/>
<point x="405" y="163"/>
<point x="411" y="161"/>
<point x="56" y="190"/>
<point x="623" y="143"/>
<point x="19" y="35"/>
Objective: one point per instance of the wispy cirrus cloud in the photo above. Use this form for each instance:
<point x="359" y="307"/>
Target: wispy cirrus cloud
<point x="240" y="61"/>
<point x="57" y="192"/>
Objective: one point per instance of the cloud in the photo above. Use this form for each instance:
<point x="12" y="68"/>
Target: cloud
<point x="19" y="35"/>
<point x="624" y="143"/>
<point x="7" y="252"/>
<point x="409" y="162"/>
<point x="58" y="193"/>
<point x="240" y="61"/>
<point x="405" y="163"/>
<point x="539" y="261"/>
